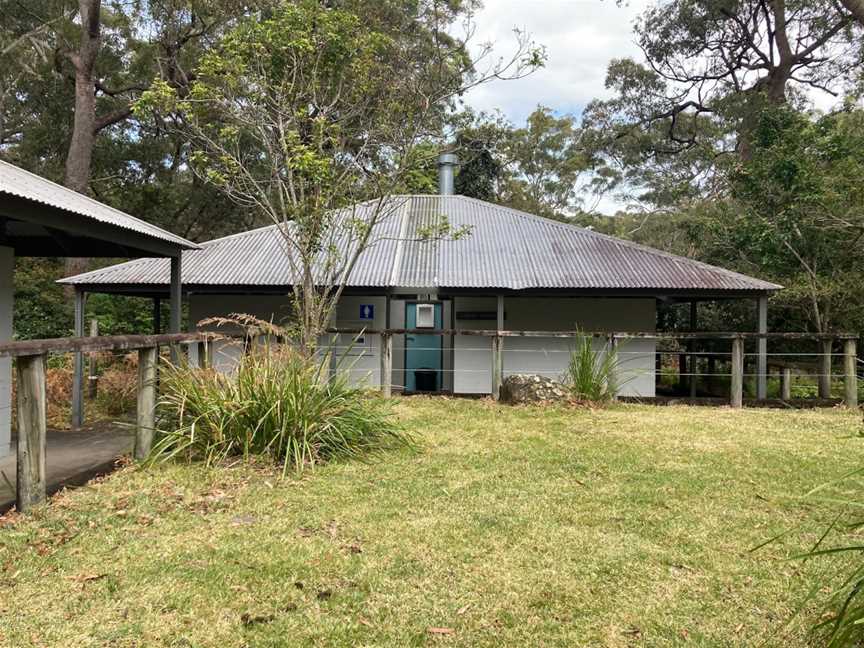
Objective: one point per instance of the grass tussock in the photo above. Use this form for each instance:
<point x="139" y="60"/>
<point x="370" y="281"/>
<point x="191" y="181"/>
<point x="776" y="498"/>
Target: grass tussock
<point x="593" y="375"/>
<point x="277" y="404"/>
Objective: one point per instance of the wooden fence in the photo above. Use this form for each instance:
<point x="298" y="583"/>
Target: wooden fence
<point x="31" y="361"/>
<point x="736" y="343"/>
<point x="31" y="404"/>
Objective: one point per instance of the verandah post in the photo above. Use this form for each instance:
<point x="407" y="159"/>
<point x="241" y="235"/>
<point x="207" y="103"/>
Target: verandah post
<point x="762" y="349"/>
<point x="78" y="364"/>
<point x="850" y="381"/>
<point x="146" y="415"/>
<point x="692" y="369"/>
<point x="613" y="348"/>
<point x="386" y="364"/>
<point x="786" y="383"/>
<point x="497" y="365"/>
<point x="825" y="369"/>
<point x="176" y="295"/>
<point x="31" y="487"/>
<point x="92" y="374"/>
<point x="497" y="349"/>
<point x="737" y="381"/>
<point x="205" y="361"/>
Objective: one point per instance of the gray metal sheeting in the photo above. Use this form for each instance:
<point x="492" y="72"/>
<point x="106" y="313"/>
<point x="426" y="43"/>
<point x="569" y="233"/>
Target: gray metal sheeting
<point x="15" y="181"/>
<point x="506" y="249"/>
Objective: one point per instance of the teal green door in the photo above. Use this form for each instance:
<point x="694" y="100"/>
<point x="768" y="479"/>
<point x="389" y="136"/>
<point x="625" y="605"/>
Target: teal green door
<point x="423" y="353"/>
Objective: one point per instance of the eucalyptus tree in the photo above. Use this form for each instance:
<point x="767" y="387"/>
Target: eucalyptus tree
<point x="710" y="68"/>
<point x="550" y="166"/>
<point x="797" y="214"/>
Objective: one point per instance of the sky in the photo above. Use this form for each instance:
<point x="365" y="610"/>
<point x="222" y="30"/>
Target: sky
<point x="580" y="36"/>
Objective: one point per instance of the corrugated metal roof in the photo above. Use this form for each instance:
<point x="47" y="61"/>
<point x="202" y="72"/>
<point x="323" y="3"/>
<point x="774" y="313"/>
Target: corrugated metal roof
<point x="506" y="249"/>
<point x="15" y="181"/>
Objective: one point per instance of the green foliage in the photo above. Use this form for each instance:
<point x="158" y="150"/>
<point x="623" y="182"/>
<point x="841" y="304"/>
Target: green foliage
<point x="797" y="213"/>
<point x="547" y="167"/>
<point x="277" y="404"/>
<point x="593" y="375"/>
<point x="681" y="115"/>
<point x="122" y="315"/>
<point x="41" y="308"/>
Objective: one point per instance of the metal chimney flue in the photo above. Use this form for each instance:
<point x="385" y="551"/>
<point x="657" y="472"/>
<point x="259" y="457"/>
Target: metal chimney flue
<point x="446" y="168"/>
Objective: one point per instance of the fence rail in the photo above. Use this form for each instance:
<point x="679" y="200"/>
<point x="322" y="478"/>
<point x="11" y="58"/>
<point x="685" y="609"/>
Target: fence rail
<point x="31" y="363"/>
<point x="736" y="354"/>
<point x="618" y="335"/>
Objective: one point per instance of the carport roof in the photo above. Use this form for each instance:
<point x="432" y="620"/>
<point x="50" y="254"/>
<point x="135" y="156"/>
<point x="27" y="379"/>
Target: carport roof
<point x="506" y="250"/>
<point x="41" y="218"/>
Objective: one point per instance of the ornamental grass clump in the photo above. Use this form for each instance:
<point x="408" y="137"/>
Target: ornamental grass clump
<point x="592" y="375"/>
<point x="277" y="404"/>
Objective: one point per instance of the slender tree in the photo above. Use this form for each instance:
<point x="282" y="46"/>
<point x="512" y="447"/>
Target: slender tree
<point x="298" y="114"/>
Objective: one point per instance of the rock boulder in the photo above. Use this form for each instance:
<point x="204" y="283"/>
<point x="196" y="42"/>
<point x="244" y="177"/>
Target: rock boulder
<point x="531" y="388"/>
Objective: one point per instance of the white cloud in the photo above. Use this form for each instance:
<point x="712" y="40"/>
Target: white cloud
<point x="581" y="37"/>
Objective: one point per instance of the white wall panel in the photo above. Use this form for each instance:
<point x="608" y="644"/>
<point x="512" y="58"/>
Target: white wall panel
<point x="549" y="356"/>
<point x="360" y="359"/>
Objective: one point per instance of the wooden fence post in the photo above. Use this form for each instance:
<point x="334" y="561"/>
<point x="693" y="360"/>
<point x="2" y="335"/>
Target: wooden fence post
<point x="146" y="422"/>
<point x="205" y="361"/>
<point x="92" y="374"/>
<point x="386" y="370"/>
<point x="825" y="370"/>
<point x="31" y="488"/>
<point x="850" y="382"/>
<point x="737" y="382"/>
<point x="497" y="365"/>
<point x="786" y="383"/>
<point x="613" y="348"/>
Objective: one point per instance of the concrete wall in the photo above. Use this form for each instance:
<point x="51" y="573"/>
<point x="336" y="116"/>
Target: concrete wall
<point x="7" y="263"/>
<point x="360" y="358"/>
<point x="549" y="356"/>
<point x="468" y="369"/>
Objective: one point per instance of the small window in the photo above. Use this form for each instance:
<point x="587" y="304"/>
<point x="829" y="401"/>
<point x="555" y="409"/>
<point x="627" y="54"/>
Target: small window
<point x="425" y="315"/>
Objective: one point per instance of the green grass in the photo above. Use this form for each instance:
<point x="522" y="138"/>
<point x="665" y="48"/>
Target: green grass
<point x="626" y="526"/>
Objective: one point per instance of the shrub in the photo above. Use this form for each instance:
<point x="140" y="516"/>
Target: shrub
<point x="277" y="404"/>
<point x="118" y="385"/>
<point x="58" y="392"/>
<point x="593" y="375"/>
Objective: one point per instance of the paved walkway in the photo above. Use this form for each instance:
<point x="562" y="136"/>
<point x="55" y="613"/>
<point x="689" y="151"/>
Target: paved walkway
<point x="72" y="458"/>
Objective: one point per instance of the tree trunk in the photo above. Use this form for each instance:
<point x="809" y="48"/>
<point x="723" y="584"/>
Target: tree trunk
<point x="80" y="154"/>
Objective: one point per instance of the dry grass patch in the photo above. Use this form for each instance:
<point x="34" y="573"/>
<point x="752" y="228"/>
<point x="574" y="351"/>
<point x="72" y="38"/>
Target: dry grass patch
<point x="626" y="526"/>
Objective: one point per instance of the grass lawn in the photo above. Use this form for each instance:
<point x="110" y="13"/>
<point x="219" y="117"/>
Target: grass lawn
<point x="629" y="526"/>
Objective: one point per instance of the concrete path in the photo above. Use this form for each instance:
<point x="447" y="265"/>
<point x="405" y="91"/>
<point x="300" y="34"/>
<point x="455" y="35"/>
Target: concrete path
<point x="72" y="458"/>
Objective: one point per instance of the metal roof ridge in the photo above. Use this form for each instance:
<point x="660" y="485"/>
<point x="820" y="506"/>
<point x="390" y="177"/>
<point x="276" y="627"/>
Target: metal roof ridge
<point x="639" y="246"/>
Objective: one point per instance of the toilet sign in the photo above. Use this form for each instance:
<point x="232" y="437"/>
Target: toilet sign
<point x="367" y="311"/>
